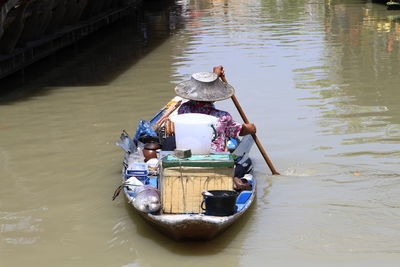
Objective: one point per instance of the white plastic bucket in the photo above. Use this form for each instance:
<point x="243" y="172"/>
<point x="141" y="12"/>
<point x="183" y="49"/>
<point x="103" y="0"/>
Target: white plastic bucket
<point x="194" y="131"/>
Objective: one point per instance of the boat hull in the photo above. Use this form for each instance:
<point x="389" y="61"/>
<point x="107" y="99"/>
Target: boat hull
<point x="188" y="229"/>
<point x="194" y="227"/>
<point x="393" y="5"/>
<point x="190" y="226"/>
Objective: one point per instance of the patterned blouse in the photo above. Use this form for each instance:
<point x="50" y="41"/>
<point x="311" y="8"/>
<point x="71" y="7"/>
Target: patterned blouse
<point x="226" y="126"/>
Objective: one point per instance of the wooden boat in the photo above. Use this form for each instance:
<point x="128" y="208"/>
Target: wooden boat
<point x="393" y="4"/>
<point x="192" y="225"/>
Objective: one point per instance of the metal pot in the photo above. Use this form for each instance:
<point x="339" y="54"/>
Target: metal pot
<point x="150" y="150"/>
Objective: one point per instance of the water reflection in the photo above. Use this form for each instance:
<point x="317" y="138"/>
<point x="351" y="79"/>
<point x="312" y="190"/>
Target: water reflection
<point x="100" y="58"/>
<point x="316" y="78"/>
<point x="356" y="90"/>
<point x="20" y="228"/>
<point x="181" y="253"/>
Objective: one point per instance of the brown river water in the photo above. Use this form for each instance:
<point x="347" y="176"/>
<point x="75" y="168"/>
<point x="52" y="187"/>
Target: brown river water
<point x="320" y="79"/>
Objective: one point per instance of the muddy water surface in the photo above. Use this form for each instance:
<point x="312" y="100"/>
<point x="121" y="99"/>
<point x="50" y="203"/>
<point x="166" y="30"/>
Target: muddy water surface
<point x="319" y="79"/>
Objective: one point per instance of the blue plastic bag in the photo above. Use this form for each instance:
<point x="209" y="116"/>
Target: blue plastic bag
<point x="144" y="127"/>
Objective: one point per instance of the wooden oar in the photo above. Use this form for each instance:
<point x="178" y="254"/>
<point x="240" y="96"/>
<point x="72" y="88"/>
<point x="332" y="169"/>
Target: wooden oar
<point x="259" y="145"/>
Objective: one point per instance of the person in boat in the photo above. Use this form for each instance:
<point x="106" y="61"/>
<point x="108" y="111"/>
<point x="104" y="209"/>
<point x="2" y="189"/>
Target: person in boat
<point x="202" y="90"/>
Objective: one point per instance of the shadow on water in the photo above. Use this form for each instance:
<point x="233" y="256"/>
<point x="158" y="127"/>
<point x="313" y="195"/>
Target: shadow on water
<point x="383" y="2"/>
<point x="358" y="94"/>
<point x="99" y="58"/>
<point x="191" y="248"/>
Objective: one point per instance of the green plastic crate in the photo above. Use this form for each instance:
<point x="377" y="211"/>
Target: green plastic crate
<point x="211" y="160"/>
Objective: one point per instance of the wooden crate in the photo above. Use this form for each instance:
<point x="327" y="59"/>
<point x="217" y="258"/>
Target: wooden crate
<point x="181" y="187"/>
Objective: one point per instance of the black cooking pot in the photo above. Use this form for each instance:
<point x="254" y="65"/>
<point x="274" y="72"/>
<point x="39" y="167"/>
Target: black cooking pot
<point x="149" y="139"/>
<point x="220" y="202"/>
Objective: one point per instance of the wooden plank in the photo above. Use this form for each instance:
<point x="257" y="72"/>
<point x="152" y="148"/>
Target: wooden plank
<point x="182" y="186"/>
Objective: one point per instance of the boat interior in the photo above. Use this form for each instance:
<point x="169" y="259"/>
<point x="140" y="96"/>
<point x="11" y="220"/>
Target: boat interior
<point x="159" y="179"/>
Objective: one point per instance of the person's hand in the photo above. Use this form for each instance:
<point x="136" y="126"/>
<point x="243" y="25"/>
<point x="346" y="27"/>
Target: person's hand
<point x="248" y="128"/>
<point x="219" y="70"/>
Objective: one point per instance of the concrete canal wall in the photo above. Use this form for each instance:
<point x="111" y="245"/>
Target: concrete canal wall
<point x="33" y="29"/>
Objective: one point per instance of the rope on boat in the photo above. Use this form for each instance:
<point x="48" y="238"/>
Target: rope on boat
<point x="118" y="190"/>
<point x="183" y="186"/>
<point x="120" y="187"/>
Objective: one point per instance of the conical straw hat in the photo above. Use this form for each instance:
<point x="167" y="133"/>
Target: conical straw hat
<point x="204" y="86"/>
